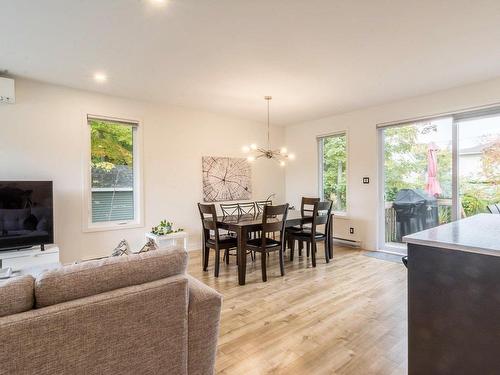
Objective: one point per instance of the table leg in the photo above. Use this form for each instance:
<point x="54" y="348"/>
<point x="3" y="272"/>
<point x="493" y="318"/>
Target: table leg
<point x="242" y="255"/>
<point x="330" y="238"/>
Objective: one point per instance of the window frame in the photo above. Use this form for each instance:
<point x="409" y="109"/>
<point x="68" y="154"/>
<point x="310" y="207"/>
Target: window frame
<point x="320" y="163"/>
<point x="138" y="221"/>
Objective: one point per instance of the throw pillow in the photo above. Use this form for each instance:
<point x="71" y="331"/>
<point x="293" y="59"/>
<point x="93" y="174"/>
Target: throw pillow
<point x="121" y="249"/>
<point x="150" y="245"/>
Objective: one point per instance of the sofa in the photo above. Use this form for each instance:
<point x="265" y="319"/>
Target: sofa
<point x="137" y="314"/>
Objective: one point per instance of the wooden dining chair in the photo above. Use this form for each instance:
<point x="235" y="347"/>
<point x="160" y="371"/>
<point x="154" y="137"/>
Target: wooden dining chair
<point x="261" y="204"/>
<point x="217" y="241"/>
<point x="246" y="208"/>
<point x="229" y="209"/>
<point x="322" y="213"/>
<point x="306" y="210"/>
<point x="273" y="220"/>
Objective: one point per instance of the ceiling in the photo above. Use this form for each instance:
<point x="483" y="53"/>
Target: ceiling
<point x="316" y="57"/>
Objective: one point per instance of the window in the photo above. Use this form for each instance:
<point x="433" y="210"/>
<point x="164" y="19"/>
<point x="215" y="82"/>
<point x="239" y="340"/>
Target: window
<point x="113" y="186"/>
<point x="333" y="170"/>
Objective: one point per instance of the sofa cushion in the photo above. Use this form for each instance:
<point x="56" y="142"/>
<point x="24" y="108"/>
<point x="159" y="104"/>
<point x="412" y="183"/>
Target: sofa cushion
<point x="16" y="295"/>
<point x="98" y="276"/>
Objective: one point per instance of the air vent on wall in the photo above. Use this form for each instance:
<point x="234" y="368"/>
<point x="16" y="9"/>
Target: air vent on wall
<point x="7" y="90"/>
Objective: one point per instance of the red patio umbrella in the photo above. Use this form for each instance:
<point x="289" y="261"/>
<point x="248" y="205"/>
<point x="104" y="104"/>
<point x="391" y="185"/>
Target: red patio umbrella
<point x="432" y="187"/>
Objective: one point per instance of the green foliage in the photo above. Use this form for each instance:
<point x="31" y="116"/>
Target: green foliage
<point x="490" y="160"/>
<point x="334" y="170"/>
<point x="405" y="162"/>
<point x="111" y="144"/>
<point x="472" y="204"/>
<point x="165" y="227"/>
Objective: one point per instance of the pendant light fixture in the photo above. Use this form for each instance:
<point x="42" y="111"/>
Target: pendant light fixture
<point x="255" y="152"/>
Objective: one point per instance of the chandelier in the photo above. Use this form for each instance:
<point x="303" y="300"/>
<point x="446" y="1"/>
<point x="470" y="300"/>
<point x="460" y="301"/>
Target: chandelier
<point x="281" y="156"/>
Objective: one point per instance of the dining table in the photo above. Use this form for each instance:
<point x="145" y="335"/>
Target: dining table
<point x="244" y="224"/>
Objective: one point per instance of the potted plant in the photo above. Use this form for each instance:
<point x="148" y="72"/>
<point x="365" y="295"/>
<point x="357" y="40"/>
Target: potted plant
<point x="163" y="233"/>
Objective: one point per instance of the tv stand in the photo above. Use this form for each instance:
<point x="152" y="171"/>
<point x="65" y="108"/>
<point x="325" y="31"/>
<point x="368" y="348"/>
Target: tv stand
<point x="31" y="257"/>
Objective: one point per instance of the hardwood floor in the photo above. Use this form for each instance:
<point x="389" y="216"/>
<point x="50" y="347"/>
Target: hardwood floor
<point x="345" y="317"/>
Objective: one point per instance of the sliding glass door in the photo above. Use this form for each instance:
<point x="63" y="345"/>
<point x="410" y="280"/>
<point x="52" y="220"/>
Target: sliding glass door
<point x="435" y="171"/>
<point x="417" y="170"/>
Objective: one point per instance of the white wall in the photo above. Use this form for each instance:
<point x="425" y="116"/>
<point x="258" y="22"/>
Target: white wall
<point x="302" y="175"/>
<point x="42" y="136"/>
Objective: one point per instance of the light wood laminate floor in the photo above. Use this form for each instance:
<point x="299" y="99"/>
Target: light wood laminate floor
<point x="345" y="317"/>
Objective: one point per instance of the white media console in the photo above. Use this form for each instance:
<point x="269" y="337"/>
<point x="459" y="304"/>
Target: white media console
<point x="29" y="258"/>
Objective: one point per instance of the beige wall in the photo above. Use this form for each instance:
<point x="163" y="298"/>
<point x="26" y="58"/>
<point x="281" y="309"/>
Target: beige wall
<point x="302" y="175"/>
<point x="43" y="136"/>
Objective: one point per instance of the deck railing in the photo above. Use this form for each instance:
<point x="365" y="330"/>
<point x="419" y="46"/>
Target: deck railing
<point x="444" y="213"/>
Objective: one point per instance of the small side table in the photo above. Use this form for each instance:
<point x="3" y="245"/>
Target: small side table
<point x="169" y="240"/>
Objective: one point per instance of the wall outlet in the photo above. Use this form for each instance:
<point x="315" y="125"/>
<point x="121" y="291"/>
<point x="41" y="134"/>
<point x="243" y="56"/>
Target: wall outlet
<point x="366" y="180"/>
<point x="351" y="230"/>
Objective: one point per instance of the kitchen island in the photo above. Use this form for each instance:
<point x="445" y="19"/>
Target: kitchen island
<point x="454" y="298"/>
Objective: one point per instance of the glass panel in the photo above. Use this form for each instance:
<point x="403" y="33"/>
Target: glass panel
<point x="479" y="164"/>
<point x="334" y="164"/>
<point x="418" y="177"/>
<point x="112" y="172"/>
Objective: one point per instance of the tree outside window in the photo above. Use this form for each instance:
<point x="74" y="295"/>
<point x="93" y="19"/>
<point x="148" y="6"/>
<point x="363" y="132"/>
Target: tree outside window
<point x="333" y="152"/>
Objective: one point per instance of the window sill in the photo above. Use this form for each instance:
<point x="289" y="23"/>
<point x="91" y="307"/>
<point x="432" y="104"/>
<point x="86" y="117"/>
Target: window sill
<point x="111" y="226"/>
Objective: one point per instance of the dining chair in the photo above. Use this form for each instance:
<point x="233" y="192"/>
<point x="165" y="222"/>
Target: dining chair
<point x="261" y="204"/>
<point x="246" y="208"/>
<point x="217" y="241"/>
<point x="273" y="220"/>
<point x="229" y="209"/>
<point x="321" y="216"/>
<point x="306" y="210"/>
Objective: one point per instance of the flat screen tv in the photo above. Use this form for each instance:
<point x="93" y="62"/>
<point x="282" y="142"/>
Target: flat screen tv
<point x="26" y="214"/>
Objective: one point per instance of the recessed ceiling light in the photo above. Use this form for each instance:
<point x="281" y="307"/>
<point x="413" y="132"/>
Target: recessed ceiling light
<point x="158" y="2"/>
<point x="100" y="77"/>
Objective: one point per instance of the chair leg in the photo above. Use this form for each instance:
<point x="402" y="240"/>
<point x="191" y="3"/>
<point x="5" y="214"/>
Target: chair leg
<point x="327" y="252"/>
<point x="282" y="261"/>
<point x="313" y="253"/>
<point x="308" y="246"/>
<point x="301" y="246"/>
<point x="206" y="249"/>
<point x="263" y="258"/>
<point x="226" y="255"/>
<point x="292" y="248"/>
<point x="217" y="261"/>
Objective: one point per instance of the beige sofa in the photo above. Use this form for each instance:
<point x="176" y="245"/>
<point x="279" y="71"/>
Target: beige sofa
<point x="138" y="314"/>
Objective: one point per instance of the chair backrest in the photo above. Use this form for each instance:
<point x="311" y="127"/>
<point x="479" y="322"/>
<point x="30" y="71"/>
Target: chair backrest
<point x="322" y="214"/>
<point x="261" y="204"/>
<point x="274" y="219"/>
<point x="246" y="208"/>
<point x="208" y="215"/>
<point x="307" y="206"/>
<point x="494" y="208"/>
<point x="229" y="209"/>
